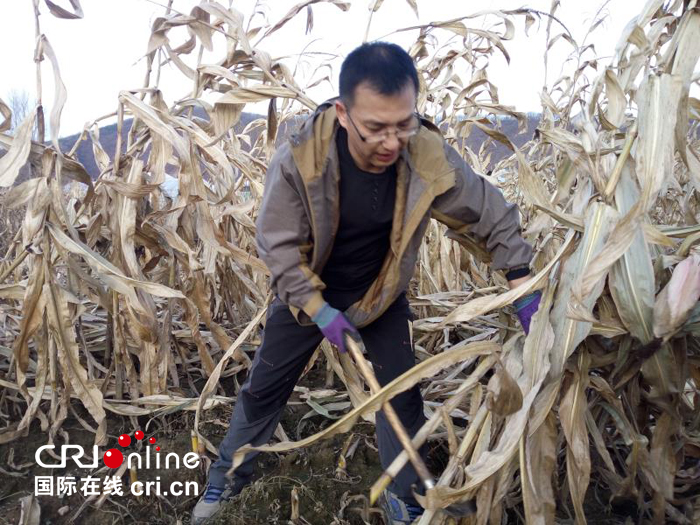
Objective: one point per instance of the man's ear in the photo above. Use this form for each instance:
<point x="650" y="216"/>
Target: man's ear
<point x="342" y="113"/>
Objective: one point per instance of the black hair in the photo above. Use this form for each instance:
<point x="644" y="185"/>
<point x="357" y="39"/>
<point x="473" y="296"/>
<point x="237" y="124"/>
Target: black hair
<point x="386" y="67"/>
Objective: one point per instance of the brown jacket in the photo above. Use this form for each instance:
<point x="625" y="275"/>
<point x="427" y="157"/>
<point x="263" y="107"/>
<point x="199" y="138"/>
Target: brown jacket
<point x="299" y="215"/>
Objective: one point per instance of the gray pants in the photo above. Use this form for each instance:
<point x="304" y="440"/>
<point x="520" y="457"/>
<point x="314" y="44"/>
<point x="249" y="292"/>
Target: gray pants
<point x="279" y="361"/>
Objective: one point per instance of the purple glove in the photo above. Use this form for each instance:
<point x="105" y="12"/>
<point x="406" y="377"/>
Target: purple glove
<point x="334" y="325"/>
<point x="525" y="308"/>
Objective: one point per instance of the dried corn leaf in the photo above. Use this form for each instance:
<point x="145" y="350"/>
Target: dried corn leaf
<point x="61" y="327"/>
<point x="503" y="396"/>
<point x="631" y="278"/>
<point x="294" y="11"/>
<point x="568" y="332"/>
<point x="17" y="155"/>
<point x="6" y="113"/>
<point x="676" y="300"/>
<point x="572" y="414"/>
<point x="60" y="91"/>
<point x="537" y="467"/>
<point x="60" y="12"/>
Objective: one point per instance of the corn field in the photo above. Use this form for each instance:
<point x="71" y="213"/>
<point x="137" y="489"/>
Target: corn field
<point x="117" y="299"/>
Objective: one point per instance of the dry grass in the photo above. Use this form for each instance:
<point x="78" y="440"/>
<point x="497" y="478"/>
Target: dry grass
<point x="121" y="301"/>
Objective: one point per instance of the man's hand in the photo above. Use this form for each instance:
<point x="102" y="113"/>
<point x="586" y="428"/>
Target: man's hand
<point x="525" y="308"/>
<point x="334" y="325"/>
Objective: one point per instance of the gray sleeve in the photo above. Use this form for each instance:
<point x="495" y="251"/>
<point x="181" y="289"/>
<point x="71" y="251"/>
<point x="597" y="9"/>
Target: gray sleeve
<point x="475" y="206"/>
<point x="284" y="240"/>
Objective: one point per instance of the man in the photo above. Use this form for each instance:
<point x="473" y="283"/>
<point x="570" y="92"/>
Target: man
<point x="346" y="204"/>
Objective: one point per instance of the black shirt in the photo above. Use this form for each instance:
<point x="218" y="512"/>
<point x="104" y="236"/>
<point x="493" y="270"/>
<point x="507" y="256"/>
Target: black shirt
<point x="363" y="236"/>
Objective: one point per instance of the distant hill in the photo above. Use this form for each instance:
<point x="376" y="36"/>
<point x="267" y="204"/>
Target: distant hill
<point x="108" y="138"/>
<point x="509" y="127"/>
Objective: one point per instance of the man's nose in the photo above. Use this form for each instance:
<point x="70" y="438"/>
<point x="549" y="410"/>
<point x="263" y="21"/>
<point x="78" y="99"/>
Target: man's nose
<point x="392" y="142"/>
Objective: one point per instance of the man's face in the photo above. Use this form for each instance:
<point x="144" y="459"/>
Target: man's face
<point x="375" y="114"/>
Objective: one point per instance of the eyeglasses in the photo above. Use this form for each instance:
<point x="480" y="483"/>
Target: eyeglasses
<point x="402" y="132"/>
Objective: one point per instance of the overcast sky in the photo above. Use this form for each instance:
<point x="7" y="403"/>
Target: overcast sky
<point x="102" y="53"/>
